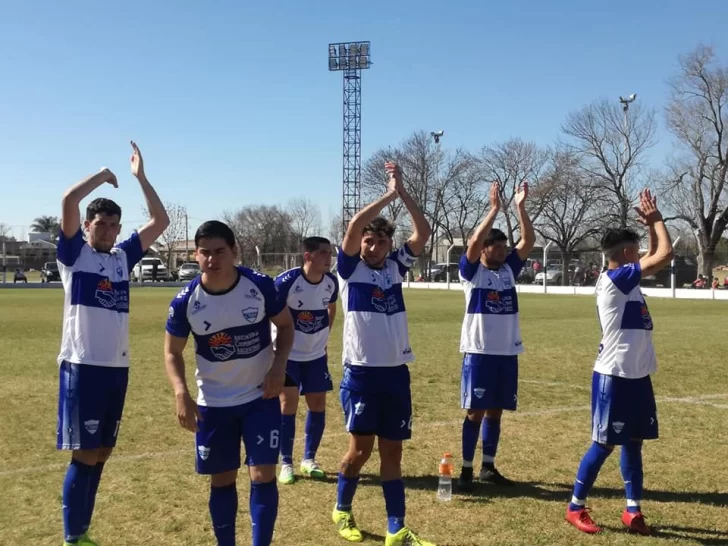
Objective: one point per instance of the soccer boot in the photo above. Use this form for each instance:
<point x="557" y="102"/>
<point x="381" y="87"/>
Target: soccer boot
<point x="346" y="525"/>
<point x="465" y="481"/>
<point x="405" y="537"/>
<point x="582" y="520"/>
<point x="491" y="474"/>
<point x="635" y="522"/>
<point x="310" y="468"/>
<point x="286" y="476"/>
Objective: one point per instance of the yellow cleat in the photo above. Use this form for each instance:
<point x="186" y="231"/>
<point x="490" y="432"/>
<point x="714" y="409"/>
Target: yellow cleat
<point x="346" y="525"/>
<point x="405" y="537"/>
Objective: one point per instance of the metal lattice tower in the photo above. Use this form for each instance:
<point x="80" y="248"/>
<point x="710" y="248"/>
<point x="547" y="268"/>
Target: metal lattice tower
<point x="351" y="58"/>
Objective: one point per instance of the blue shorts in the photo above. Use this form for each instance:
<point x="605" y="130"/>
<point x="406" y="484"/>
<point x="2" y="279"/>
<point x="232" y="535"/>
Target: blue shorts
<point x="310" y="376"/>
<point x="257" y="423"/>
<point x="623" y="409"/>
<point x="377" y="401"/>
<point x="90" y="405"/>
<point x="489" y="382"/>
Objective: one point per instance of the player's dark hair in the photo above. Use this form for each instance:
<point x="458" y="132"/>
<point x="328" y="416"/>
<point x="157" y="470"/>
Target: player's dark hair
<point x="214" y="229"/>
<point x="312" y="244"/>
<point x="614" y="240"/>
<point x="101" y="205"/>
<point x="380" y="225"/>
<point x="495" y="236"/>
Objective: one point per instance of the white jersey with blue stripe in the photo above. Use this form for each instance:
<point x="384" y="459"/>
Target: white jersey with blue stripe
<point x="232" y="333"/>
<point x="309" y="305"/>
<point x="491" y="323"/>
<point x="626" y="348"/>
<point x="375" y="319"/>
<point x="96" y="304"/>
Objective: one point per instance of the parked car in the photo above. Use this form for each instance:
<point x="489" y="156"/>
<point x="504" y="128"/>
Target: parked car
<point x="146" y="267"/>
<point x="438" y="272"/>
<point x="553" y="274"/>
<point x="188" y="271"/>
<point x="50" y="272"/>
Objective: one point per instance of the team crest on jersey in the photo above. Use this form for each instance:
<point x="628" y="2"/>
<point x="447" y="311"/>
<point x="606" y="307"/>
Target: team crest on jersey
<point x="197" y="307"/>
<point x="253" y="294"/>
<point x="326" y="301"/>
<point x="479" y="393"/>
<point x="646" y="318"/>
<point x="307" y="323"/>
<point x="92" y="426"/>
<point x="250" y="314"/>
<point x="204" y="452"/>
<point x="507" y="282"/>
<point x="105" y="294"/>
<point x="221" y="346"/>
<point x="494" y="302"/>
<point x="618" y="426"/>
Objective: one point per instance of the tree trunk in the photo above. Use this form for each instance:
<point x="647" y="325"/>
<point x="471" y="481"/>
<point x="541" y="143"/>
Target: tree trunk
<point x="565" y="258"/>
<point x="706" y="259"/>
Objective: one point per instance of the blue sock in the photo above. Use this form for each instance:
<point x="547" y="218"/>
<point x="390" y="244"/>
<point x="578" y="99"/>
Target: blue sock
<point x="631" y="465"/>
<point x="75" y="499"/>
<point x="394" y="501"/>
<point x="263" y="511"/>
<point x="315" y="424"/>
<point x="345" y="488"/>
<point x="471" y="431"/>
<point x="288" y="435"/>
<point x="491" y="435"/>
<point x="93" y="487"/>
<point x="589" y="468"/>
<point x="224" y="511"/>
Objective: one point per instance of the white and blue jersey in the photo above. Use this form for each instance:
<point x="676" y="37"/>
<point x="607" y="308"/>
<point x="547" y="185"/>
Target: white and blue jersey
<point x="309" y="305"/>
<point x="490" y="326"/>
<point x="96" y="305"/>
<point x="375" y="318"/>
<point x="232" y="333"/>
<point x="626" y="348"/>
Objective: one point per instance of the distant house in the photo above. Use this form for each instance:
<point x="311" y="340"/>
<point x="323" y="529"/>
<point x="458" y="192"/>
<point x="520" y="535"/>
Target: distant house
<point x="30" y="254"/>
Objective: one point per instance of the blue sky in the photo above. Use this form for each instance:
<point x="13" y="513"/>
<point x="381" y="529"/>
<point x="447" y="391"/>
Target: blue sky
<point x="231" y="102"/>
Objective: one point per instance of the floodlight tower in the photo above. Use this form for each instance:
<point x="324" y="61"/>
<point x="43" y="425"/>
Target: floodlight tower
<point x="351" y="58"/>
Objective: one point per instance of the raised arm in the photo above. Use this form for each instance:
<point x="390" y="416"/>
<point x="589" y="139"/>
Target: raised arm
<point x="477" y="239"/>
<point x="174" y="363"/>
<point x="528" y="235"/>
<point x="355" y="231"/>
<point x="422" y="230"/>
<point x="71" y="215"/>
<point x="649" y="215"/>
<point x="158" y="219"/>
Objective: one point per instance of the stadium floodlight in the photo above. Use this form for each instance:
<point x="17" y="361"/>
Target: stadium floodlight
<point x="437" y="135"/>
<point x="351" y="58"/>
<point x="626" y="102"/>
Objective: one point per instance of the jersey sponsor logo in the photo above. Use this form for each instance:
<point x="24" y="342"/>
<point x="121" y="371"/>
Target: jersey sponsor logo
<point x="646" y="318"/>
<point x="92" y="426"/>
<point x="494" y="302"/>
<point x="203" y="452"/>
<point x="250" y="314"/>
<point x="221" y="346"/>
<point x="105" y="294"/>
<point x="307" y="323"/>
<point x="384" y="303"/>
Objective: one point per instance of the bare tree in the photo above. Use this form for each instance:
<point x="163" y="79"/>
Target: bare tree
<point x="465" y="203"/>
<point x="336" y="229"/>
<point x="305" y="217"/>
<point x="263" y="226"/>
<point x="374" y="181"/>
<point x="612" y="146"/>
<point x="511" y="163"/>
<point x="697" y="115"/>
<point x="4" y="230"/>
<point x="573" y="207"/>
<point x="175" y="232"/>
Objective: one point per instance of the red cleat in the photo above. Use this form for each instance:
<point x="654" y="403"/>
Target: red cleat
<point x="635" y="522"/>
<point x="582" y="520"/>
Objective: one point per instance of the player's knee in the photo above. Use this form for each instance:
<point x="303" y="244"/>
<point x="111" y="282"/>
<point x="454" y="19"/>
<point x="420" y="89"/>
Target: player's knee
<point x="263" y="473"/>
<point x="316" y="401"/>
<point x="86" y="456"/>
<point x="289" y="400"/>
<point x="494" y="414"/>
<point x="476" y="415"/>
<point x="390" y="451"/>
<point x="225" y="478"/>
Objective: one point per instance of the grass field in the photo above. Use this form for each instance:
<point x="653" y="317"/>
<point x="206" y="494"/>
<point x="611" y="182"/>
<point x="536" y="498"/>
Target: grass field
<point x="151" y="495"/>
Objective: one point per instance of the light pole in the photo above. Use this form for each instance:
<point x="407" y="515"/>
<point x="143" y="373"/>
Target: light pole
<point x="436" y="136"/>
<point x="625" y="107"/>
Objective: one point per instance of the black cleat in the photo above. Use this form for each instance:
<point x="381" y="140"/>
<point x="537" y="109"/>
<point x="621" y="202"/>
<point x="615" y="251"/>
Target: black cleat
<point x="465" y="481"/>
<point x="491" y="474"/>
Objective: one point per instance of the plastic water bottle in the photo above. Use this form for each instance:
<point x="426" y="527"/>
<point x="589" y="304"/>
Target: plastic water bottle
<point x="444" y="486"/>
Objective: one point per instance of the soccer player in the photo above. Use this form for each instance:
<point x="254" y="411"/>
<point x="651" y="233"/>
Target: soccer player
<point x="375" y="388"/>
<point x="623" y="403"/>
<point x="229" y="311"/>
<point x="491" y="337"/>
<point x="311" y="292"/>
<point x="94" y="357"/>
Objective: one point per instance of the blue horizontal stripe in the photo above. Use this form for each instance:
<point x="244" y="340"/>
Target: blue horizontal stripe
<point x="636" y="316"/>
<point x="370" y="298"/>
<point x="94" y="290"/>
<point x="240" y="342"/>
<point x="311" y="321"/>
<point x="484" y="301"/>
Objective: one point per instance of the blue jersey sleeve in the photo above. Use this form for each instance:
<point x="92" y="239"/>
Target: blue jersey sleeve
<point x="468" y="270"/>
<point x="515" y="263"/>
<point x="405" y="259"/>
<point x="274" y="302"/>
<point x="69" y="248"/>
<point x="335" y="294"/>
<point x="283" y="284"/>
<point x="346" y="264"/>
<point x="626" y="277"/>
<point x="132" y="247"/>
<point x="177" y="323"/>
